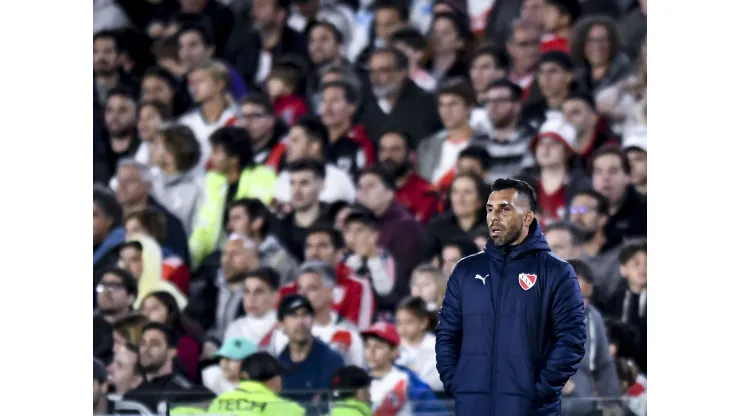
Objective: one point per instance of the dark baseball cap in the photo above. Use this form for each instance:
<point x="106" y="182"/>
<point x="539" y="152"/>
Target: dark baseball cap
<point x="99" y="372"/>
<point x="347" y="380"/>
<point x="290" y="304"/>
<point x="261" y="366"/>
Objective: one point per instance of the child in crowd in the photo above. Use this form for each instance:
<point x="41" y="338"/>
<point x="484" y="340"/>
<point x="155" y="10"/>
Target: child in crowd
<point x="225" y="376"/>
<point x="429" y="283"/>
<point x="282" y="87"/>
<point x="634" y="386"/>
<point x="389" y="390"/>
<point x="415" y="323"/>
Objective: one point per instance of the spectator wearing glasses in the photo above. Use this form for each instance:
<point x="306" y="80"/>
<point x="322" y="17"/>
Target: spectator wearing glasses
<point x="266" y="130"/>
<point x="523" y="46"/>
<point x="115" y="294"/>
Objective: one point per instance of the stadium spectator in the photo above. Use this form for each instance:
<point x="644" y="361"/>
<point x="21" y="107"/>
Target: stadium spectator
<point x="318" y="282"/>
<point x="610" y="175"/>
<point x="596" y="375"/>
<point x="196" y="45"/>
<point x="151" y="223"/>
<point x="325" y="45"/>
<point x="351" y="392"/>
<point x="309" y="138"/>
<point x="389" y="389"/>
<point x="396" y="102"/>
<point x="454" y="250"/>
<point x="557" y="175"/>
<point x="412" y="191"/>
<point x="176" y="153"/>
<point x="133" y="192"/>
<point x="437" y="154"/>
<point x="385" y="18"/>
<point x="128" y="330"/>
<point x="416" y="351"/>
<point x="159" y="85"/>
<point x="506" y="134"/>
<point x="214" y="15"/>
<point x="307" y="179"/>
<point x="161" y="306"/>
<point x="564" y="239"/>
<point x="125" y="373"/>
<point x="234" y="176"/>
<point x="467" y="211"/>
<point x="348" y="148"/>
<point x="592" y="130"/>
<point x="487" y="64"/>
<point x="108" y="73"/>
<point x="555" y="81"/>
<point x="523" y="46"/>
<point x="283" y="85"/>
<point x="116" y="293"/>
<point x="450" y="38"/>
<point x="150" y="116"/>
<point x="251" y="218"/>
<point x="474" y="159"/>
<point x="215" y="302"/>
<point x="635" y="147"/>
<point x="107" y="230"/>
<point x="225" y="376"/>
<point x="120" y="122"/>
<point x="429" y="283"/>
<point x="597" y="54"/>
<point x="265" y="129"/>
<point x="413" y="44"/>
<point x="260" y="297"/>
<point x="371" y="261"/>
<point x="558" y="17"/>
<point x="629" y="303"/>
<point x="208" y="83"/>
<point x="312" y="361"/>
<point x="400" y="233"/>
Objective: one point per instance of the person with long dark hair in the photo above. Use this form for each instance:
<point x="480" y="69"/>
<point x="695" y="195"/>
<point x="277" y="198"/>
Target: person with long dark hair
<point x="597" y="56"/>
<point x="416" y="352"/>
<point x="162" y="307"/>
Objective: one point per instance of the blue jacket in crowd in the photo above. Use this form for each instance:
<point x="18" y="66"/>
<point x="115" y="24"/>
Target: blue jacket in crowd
<point x="511" y="330"/>
<point x="423" y="400"/>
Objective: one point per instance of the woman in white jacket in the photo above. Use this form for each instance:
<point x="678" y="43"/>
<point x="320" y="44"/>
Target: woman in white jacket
<point x="178" y="185"/>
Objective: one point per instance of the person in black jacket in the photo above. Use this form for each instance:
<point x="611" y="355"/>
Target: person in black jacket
<point x="158" y="349"/>
<point x="395" y="101"/>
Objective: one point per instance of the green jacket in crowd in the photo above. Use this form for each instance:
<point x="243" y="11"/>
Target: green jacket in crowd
<point x="350" y="407"/>
<point x="252" y="398"/>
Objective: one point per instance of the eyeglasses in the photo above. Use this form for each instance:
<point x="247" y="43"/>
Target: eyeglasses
<point x="256" y="116"/>
<point x="502" y="100"/>
<point x="110" y="286"/>
<point x="581" y="209"/>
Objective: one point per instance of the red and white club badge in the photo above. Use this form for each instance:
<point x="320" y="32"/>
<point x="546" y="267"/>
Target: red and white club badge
<point x="526" y="281"/>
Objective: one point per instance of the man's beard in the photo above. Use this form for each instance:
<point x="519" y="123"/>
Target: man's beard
<point x="153" y="367"/>
<point x="507" y="238"/>
<point x="399" y="170"/>
<point x="587" y="235"/>
<point x="385" y="91"/>
<point x="503" y="121"/>
<point x="108" y="72"/>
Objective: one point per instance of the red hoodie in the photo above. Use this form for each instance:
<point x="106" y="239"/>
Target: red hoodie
<point x="353" y="297"/>
<point x="290" y="108"/>
<point x="359" y="135"/>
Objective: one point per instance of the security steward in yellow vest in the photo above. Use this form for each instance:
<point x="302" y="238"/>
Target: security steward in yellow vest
<point x="258" y="393"/>
<point x="351" y="392"/>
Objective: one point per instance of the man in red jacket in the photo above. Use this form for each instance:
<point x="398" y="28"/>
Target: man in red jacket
<point x="353" y="297"/>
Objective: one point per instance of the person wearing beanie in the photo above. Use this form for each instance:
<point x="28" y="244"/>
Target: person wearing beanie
<point x="351" y="392"/>
<point x="557" y="20"/>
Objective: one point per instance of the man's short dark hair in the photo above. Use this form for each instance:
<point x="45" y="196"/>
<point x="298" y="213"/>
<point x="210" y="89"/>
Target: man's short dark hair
<point x="165" y="113"/>
<point x="166" y="48"/>
<point x="559" y="58"/>
<point x="401" y="6"/>
<point x="259" y="99"/>
<point x="570" y="228"/>
<point x="203" y="29"/>
<point x="613" y="151"/>
<point x="127" y="279"/>
<point x="107" y="34"/>
<point x="478" y="153"/>
<point x="459" y="87"/>
<point x="338" y="37"/>
<point x="236" y="142"/>
<point x="336" y="237"/>
<point x="169" y="334"/>
<point x="124" y="92"/>
<point x="315" y="130"/>
<point x="153" y="221"/>
<point x="362" y="216"/>
<point x="411" y="37"/>
<point x="254" y="209"/>
<point x="399" y="58"/>
<point x="631" y="248"/>
<point x="180" y="140"/>
<point x="584" y="96"/>
<point x="500" y="58"/>
<point x="350" y="93"/>
<point x="265" y="274"/>
<point x="405" y="135"/>
<point x="105" y="199"/>
<point x="521" y="187"/>
<point x="385" y="177"/>
<point x="316" y="166"/>
<point x="514" y="89"/>
<point x="602" y="203"/>
<point x="465" y="244"/>
<point x="582" y="269"/>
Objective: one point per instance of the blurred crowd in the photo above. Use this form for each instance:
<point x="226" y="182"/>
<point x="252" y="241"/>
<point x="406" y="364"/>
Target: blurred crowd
<point x="283" y="187"/>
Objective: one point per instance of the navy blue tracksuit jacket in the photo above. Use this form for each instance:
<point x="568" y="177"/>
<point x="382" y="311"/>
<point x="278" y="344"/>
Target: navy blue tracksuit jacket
<point x="511" y="330"/>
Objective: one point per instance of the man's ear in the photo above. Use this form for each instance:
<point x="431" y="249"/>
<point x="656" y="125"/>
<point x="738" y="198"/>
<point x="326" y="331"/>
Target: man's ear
<point x="529" y="218"/>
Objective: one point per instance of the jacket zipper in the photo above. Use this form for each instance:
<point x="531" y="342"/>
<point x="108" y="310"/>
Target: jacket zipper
<point x="497" y="320"/>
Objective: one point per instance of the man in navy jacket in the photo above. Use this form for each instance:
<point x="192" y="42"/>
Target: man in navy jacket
<point x="512" y="326"/>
